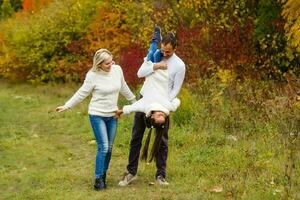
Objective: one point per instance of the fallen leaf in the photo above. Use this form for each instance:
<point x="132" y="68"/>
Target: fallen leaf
<point x="92" y="142"/>
<point x="151" y="183"/>
<point x="232" y="138"/>
<point x="217" y="189"/>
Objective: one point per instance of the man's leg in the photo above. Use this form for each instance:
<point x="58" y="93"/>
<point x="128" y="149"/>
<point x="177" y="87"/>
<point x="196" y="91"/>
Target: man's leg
<point x="135" y="146"/>
<point x="138" y="130"/>
<point x="161" y="160"/>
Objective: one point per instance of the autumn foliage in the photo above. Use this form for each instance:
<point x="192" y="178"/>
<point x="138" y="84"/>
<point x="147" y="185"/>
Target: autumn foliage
<point x="248" y="38"/>
<point x="206" y="48"/>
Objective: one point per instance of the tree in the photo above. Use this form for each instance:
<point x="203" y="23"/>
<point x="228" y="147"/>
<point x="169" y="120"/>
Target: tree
<point x="16" y="4"/>
<point x="6" y="9"/>
<point x="291" y="13"/>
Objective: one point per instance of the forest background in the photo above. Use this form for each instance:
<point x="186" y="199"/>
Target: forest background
<point x="240" y="101"/>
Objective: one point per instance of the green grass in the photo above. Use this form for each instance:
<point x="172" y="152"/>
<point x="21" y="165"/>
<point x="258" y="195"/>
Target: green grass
<point x="49" y="155"/>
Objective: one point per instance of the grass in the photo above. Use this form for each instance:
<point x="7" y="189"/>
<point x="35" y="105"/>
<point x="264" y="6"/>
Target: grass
<point x="226" y="150"/>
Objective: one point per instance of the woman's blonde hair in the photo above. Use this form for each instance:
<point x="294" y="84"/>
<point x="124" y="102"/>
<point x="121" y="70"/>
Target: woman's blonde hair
<point x="100" y="56"/>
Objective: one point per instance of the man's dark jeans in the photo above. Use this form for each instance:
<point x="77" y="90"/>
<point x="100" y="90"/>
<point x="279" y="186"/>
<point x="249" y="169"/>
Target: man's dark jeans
<point x="138" y="130"/>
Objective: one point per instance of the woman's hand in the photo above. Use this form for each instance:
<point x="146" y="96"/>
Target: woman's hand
<point x="61" y="108"/>
<point x="118" y="113"/>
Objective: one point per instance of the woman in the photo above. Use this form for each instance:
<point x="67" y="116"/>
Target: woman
<point x="104" y="81"/>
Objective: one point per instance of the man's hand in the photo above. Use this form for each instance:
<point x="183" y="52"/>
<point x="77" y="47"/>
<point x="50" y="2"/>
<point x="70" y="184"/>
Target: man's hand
<point x="61" y="108"/>
<point x="118" y="114"/>
<point x="160" y="65"/>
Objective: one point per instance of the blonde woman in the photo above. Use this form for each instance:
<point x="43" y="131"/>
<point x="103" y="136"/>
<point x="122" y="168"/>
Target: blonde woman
<point x="104" y="81"/>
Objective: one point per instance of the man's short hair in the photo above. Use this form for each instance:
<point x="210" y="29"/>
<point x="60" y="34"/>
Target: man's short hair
<point x="170" y="39"/>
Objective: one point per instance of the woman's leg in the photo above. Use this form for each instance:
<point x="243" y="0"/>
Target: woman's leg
<point x="111" y="125"/>
<point x="100" y="132"/>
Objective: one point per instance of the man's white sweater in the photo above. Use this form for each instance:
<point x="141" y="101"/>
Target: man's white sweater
<point x="155" y="94"/>
<point x="105" y="88"/>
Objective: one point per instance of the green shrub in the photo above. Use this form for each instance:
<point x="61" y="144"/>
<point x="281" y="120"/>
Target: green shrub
<point x="184" y="113"/>
<point x="38" y="41"/>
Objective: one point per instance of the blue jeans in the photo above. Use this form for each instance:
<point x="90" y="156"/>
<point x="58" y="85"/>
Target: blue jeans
<point x="154" y="54"/>
<point x="105" y="129"/>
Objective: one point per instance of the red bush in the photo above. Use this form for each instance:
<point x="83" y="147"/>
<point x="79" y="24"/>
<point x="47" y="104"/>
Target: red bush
<point x="130" y="59"/>
<point x="204" y="47"/>
<point x="34" y="5"/>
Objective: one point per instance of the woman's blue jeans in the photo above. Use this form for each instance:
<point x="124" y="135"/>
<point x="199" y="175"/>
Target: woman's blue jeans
<point x="105" y="129"/>
<point x="154" y="54"/>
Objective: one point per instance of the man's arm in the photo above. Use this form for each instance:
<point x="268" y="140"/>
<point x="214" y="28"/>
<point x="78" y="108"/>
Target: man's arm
<point x="178" y="80"/>
<point x="148" y="68"/>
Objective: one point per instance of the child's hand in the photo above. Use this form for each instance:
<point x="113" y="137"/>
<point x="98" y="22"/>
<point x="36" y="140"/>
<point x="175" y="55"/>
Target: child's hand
<point x="118" y="114"/>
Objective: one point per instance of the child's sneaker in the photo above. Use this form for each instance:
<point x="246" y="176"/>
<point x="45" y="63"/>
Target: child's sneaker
<point x="157" y="35"/>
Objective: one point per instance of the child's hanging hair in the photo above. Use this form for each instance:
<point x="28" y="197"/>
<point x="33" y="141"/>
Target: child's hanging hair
<point x="156" y="144"/>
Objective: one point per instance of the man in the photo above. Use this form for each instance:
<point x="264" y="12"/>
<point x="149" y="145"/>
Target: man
<point x="176" y="70"/>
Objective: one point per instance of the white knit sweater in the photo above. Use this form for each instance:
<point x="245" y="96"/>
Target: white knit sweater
<point x="155" y="102"/>
<point x="155" y="95"/>
<point x="105" y="88"/>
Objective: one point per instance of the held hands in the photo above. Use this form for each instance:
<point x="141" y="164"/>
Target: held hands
<point x="118" y="114"/>
<point x="160" y="65"/>
<point x="61" y="108"/>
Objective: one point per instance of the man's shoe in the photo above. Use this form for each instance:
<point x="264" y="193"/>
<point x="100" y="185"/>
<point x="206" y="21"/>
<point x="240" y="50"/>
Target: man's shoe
<point x="127" y="179"/>
<point x="99" y="184"/>
<point x="160" y="180"/>
<point x="157" y="35"/>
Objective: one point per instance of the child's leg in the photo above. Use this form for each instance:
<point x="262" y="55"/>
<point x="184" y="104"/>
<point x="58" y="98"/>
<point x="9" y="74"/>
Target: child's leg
<point x="151" y="51"/>
<point x="157" y="56"/>
<point x="153" y="44"/>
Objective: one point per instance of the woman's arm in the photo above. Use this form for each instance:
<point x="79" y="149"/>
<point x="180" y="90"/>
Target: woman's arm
<point x="125" y="90"/>
<point x="80" y="95"/>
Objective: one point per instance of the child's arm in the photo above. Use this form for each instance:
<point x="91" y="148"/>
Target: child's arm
<point x="138" y="106"/>
<point x="175" y="103"/>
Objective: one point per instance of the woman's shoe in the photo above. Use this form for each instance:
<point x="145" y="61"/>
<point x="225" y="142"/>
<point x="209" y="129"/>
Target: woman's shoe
<point x="99" y="184"/>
